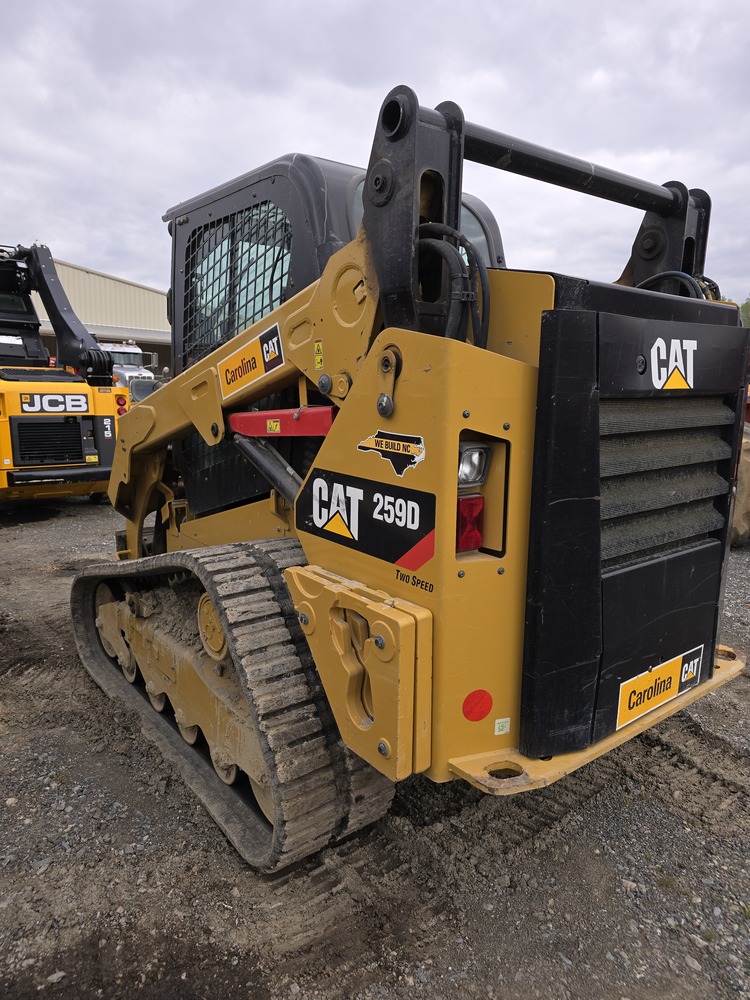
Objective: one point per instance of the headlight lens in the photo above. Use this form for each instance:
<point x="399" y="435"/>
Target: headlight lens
<point x="473" y="464"/>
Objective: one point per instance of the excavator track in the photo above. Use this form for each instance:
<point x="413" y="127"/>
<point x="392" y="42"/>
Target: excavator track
<point x="206" y="643"/>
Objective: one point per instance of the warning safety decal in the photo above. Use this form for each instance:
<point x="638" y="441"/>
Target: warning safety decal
<point x="390" y="523"/>
<point x="656" y="687"/>
<point x="403" y="451"/>
<point x="251" y="362"/>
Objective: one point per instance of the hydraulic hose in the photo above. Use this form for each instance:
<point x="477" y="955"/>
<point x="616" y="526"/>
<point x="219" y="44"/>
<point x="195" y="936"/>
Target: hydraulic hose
<point x="477" y="269"/>
<point x="459" y="279"/>
<point x="687" y="280"/>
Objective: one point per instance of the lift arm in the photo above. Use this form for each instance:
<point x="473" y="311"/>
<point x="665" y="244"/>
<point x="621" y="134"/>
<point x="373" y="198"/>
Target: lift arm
<point x="76" y="347"/>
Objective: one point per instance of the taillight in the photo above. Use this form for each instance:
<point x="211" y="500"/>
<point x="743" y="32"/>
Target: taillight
<point x="470" y="523"/>
<point x="122" y="405"/>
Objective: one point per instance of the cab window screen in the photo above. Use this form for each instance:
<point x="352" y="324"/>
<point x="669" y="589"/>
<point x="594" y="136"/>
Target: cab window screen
<point x="236" y="270"/>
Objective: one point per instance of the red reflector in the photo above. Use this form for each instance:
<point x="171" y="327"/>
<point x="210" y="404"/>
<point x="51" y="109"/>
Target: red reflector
<point x="121" y="401"/>
<point x="477" y="705"/>
<point x="470" y="523"/>
<point x="121" y="410"/>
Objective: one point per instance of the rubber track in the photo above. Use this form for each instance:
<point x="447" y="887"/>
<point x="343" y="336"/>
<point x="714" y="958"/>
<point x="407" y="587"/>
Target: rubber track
<point x="367" y="793"/>
<point x="320" y="790"/>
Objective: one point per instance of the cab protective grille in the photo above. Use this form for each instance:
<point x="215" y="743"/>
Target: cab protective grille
<point x="236" y="272"/>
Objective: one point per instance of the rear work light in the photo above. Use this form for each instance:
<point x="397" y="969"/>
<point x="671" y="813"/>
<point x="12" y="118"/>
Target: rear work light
<point x="473" y="464"/>
<point x="470" y="523"/>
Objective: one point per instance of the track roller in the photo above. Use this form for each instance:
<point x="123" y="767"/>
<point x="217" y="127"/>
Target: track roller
<point x="158" y="701"/>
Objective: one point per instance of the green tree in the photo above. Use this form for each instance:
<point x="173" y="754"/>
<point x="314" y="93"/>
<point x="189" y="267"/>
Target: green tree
<point x="745" y="312"/>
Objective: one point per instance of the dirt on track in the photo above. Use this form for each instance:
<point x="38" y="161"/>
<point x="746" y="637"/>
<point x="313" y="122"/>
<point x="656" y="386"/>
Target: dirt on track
<point x="629" y="879"/>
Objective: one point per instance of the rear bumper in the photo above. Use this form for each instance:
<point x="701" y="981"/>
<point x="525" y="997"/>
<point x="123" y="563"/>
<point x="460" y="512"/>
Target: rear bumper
<point x="53" y="482"/>
<point x="508" y="772"/>
<point x="59" y="474"/>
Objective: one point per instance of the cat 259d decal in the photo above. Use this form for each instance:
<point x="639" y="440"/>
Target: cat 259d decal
<point x="388" y="522"/>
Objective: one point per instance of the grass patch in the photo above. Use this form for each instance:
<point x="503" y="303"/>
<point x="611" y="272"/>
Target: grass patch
<point x="667" y="882"/>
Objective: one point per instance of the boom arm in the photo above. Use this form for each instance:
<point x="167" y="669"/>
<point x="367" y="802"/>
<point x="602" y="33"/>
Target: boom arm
<point x="344" y="299"/>
<point x="76" y="347"/>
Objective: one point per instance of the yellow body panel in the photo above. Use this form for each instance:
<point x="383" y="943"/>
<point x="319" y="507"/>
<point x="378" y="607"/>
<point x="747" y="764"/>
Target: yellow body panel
<point x="448" y="391"/>
<point x="477" y="600"/>
<point x="48" y="491"/>
<point x="507" y="773"/>
<point x="258" y="520"/>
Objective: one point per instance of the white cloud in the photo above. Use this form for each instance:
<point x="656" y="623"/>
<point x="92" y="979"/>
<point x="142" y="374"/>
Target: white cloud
<point x="115" y="111"/>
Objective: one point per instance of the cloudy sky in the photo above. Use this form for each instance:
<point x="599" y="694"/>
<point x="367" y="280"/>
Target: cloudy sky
<point x="115" y="110"/>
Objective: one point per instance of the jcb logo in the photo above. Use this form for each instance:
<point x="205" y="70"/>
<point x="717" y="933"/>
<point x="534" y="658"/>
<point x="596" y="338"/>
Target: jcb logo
<point x="52" y="402"/>
<point x="336" y="508"/>
<point x="672" y="367"/>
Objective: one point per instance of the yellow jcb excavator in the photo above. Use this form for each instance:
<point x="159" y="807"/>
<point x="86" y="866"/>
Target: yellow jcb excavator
<point x="57" y="416"/>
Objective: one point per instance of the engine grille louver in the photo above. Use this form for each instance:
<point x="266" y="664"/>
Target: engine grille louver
<point x="47" y="442"/>
<point x="659" y="478"/>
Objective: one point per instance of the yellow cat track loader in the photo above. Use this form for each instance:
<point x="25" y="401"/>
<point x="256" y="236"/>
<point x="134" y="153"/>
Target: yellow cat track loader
<point x="404" y="510"/>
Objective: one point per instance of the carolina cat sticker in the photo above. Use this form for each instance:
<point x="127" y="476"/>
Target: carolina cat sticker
<point x="655" y="687"/>
<point x="251" y="362"/>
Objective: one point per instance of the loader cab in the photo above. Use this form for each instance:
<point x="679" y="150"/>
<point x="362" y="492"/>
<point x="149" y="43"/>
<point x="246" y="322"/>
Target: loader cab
<point x="242" y="249"/>
<point x="238" y="252"/>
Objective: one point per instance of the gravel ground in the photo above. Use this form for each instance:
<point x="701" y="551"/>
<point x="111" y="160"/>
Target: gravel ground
<point x="627" y="880"/>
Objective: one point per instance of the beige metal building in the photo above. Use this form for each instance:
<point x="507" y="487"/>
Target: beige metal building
<point x="113" y="309"/>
